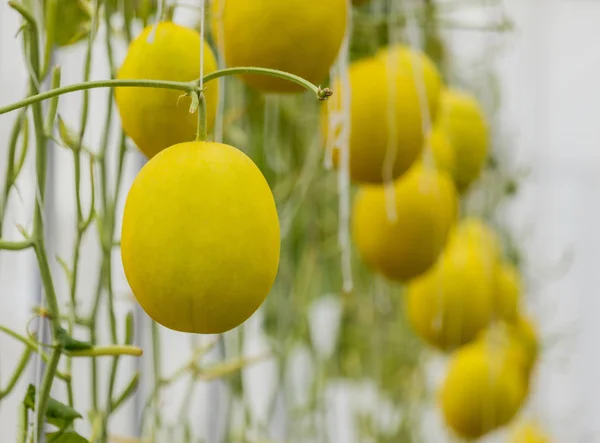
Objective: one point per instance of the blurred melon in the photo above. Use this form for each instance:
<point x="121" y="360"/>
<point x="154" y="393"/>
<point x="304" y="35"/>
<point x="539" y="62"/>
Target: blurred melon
<point x="441" y="151"/>
<point x="386" y="112"/>
<point x="453" y="302"/>
<point x="519" y="340"/>
<point x="302" y="37"/>
<point x="508" y="291"/>
<point x="463" y="120"/>
<point x="425" y="205"/>
<point x="482" y="391"/>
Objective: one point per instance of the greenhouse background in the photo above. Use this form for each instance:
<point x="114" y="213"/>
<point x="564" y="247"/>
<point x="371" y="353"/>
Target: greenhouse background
<point x="546" y="70"/>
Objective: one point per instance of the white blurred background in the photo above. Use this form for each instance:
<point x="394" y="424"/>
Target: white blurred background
<point x="550" y="117"/>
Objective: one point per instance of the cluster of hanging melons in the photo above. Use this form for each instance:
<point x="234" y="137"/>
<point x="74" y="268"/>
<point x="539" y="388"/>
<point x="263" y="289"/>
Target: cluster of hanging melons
<point x="461" y="295"/>
<point x="400" y="229"/>
<point x="468" y="303"/>
<point x="200" y="235"/>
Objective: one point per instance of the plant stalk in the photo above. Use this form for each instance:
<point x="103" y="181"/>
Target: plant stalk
<point x="201" y="130"/>
<point x="321" y="93"/>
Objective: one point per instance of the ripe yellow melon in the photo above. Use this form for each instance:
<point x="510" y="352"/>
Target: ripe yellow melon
<point x="386" y="111"/>
<point x="518" y="341"/>
<point x="456" y="299"/>
<point x="302" y="37"/>
<point x="441" y="151"/>
<point x="479" y="235"/>
<point x="482" y="391"/>
<point x="425" y="208"/>
<point x="157" y="118"/>
<point x="463" y="120"/>
<point x="508" y="292"/>
<point x="449" y="305"/>
<point x="200" y="237"/>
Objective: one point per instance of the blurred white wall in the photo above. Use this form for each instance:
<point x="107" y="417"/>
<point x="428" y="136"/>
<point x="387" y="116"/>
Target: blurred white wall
<point x="551" y="104"/>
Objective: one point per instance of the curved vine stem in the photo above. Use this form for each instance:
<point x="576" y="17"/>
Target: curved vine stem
<point x="162" y="84"/>
<point x="189" y="87"/>
<point x="321" y="93"/>
<point x="33" y="346"/>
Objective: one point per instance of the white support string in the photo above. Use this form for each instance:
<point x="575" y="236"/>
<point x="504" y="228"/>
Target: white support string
<point x="344" y="151"/>
<point x="220" y="117"/>
<point x="202" y="18"/>
<point x="391" y="153"/>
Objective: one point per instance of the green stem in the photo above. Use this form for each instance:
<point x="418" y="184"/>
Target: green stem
<point x="130" y="389"/>
<point x="103" y="351"/>
<point x="93" y="339"/>
<point x="40" y="252"/>
<point x="160" y="84"/>
<point x="321" y="93"/>
<point x="157" y="371"/>
<point x="70" y="395"/>
<point x="77" y="171"/>
<point x="17" y="374"/>
<point x="50" y="22"/>
<point x="15" y="245"/>
<point x="23" y="423"/>
<point x="35" y="347"/>
<point x="10" y="174"/>
<point x="44" y="392"/>
<point x="201" y="129"/>
<point x="53" y="107"/>
<point x="107" y="251"/>
<point x="107" y="226"/>
<point x="41" y="160"/>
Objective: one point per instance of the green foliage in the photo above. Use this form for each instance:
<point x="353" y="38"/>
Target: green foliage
<point x="57" y="413"/>
<point x="65" y="437"/>
<point x="73" y="21"/>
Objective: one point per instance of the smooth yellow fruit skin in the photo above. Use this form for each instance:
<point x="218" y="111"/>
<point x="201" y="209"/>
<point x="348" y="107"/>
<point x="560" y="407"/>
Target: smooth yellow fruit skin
<point x="438" y="144"/>
<point x="200" y="238"/>
<point x="529" y="432"/>
<point x="401" y="249"/>
<point x="508" y="292"/>
<point x="461" y="117"/>
<point x="449" y="305"/>
<point x="453" y="302"/>
<point x="302" y="37"/>
<point x="525" y="343"/>
<point x="385" y="111"/>
<point x="481" y="392"/>
<point x="518" y="341"/>
<point x="157" y="118"/>
<point x="479" y="235"/>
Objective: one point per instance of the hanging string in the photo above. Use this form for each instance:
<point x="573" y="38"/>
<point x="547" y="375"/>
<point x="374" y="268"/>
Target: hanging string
<point x="220" y="117"/>
<point x="391" y="115"/>
<point x="334" y="120"/>
<point x="202" y="13"/>
<point x="412" y="31"/>
<point x="344" y="152"/>
<point x="162" y="8"/>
